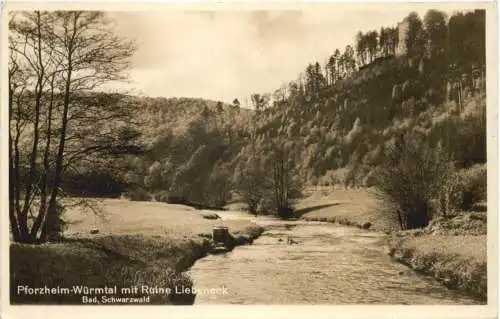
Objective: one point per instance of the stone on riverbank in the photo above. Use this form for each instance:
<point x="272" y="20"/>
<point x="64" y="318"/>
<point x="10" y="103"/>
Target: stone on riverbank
<point x="209" y="215"/>
<point x="366" y="225"/>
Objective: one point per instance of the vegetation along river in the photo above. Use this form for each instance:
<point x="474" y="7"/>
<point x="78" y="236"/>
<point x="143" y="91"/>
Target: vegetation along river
<point x="330" y="264"/>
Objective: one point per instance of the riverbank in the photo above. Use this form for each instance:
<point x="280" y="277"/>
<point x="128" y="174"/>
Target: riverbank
<point x="459" y="262"/>
<point x="452" y="251"/>
<point x="351" y="207"/>
<point x="137" y="244"/>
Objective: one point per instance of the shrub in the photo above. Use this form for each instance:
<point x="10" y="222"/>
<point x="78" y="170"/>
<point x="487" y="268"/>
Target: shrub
<point x="162" y="196"/>
<point x="178" y="282"/>
<point x="94" y="183"/>
<point x="139" y="194"/>
<point x="285" y="212"/>
<point x="411" y="178"/>
<point x="449" y="192"/>
<point x="265" y="206"/>
<point x="474" y="186"/>
<point x="369" y="180"/>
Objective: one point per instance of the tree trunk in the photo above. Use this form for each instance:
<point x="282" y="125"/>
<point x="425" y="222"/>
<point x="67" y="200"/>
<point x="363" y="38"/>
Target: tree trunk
<point x="46" y="167"/>
<point x="17" y="174"/>
<point x="460" y="107"/>
<point x="52" y="208"/>
<point x="23" y="218"/>
<point x="12" y="182"/>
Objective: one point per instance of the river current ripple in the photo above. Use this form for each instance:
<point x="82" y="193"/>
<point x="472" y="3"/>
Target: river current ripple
<point x="330" y="264"/>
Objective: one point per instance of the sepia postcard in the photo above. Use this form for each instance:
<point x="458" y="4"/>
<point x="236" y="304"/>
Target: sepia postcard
<point x="249" y="160"/>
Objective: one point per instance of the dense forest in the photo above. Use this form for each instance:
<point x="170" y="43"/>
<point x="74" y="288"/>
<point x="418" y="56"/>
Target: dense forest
<point x="334" y="125"/>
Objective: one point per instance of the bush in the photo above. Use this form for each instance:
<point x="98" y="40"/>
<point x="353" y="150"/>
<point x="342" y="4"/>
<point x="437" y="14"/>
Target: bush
<point x="411" y="177"/>
<point x="162" y="196"/>
<point x="139" y="194"/>
<point x="265" y="206"/>
<point x="94" y="183"/>
<point x="449" y="194"/>
<point x="285" y="212"/>
<point x="474" y="185"/>
<point x="177" y="282"/>
<point x="369" y="180"/>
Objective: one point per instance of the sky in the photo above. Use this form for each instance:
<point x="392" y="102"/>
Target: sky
<point x="227" y="54"/>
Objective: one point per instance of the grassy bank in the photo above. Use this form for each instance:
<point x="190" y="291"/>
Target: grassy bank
<point x="457" y="261"/>
<point x="138" y="243"/>
<point x="453" y="251"/>
<point x="352" y="207"/>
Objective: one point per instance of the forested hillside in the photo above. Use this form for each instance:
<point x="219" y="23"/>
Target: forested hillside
<point x="344" y="118"/>
<point x="333" y="124"/>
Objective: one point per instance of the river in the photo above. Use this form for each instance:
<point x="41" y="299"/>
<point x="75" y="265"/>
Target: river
<point x="330" y="264"/>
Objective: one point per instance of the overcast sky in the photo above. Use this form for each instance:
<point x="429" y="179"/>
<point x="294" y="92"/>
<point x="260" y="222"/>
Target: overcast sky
<point x="222" y="55"/>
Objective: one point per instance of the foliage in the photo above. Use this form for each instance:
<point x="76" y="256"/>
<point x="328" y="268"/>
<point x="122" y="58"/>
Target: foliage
<point x="271" y="190"/>
<point x="412" y="177"/>
<point x="474" y="182"/>
<point x="139" y="194"/>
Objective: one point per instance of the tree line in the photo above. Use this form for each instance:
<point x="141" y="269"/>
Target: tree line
<point x="460" y="39"/>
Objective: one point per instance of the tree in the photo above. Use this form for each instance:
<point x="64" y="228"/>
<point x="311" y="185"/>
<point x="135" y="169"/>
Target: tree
<point x="331" y="67"/>
<point x="349" y="60"/>
<point x="236" y="104"/>
<point x="392" y="39"/>
<point x="30" y="35"/>
<point x="249" y="178"/>
<point x="383" y="41"/>
<point x="65" y="54"/>
<point x="92" y="56"/>
<point x="466" y="41"/>
<point x="411" y="177"/>
<point x="280" y="95"/>
<point x="284" y="181"/>
<point x="219" y="107"/>
<point x="371" y="39"/>
<point x="361" y="48"/>
<point x="219" y="185"/>
<point x="435" y="32"/>
<point x="412" y="34"/>
<point x="260" y="101"/>
<point x="315" y="80"/>
<point x="388" y="41"/>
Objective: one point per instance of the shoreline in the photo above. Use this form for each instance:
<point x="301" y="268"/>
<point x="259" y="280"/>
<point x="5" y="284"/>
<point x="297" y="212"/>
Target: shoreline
<point x="453" y="270"/>
<point x="205" y="248"/>
<point x="154" y="247"/>
<point x="121" y="261"/>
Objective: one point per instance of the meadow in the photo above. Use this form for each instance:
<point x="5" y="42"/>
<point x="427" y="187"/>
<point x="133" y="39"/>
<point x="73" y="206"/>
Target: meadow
<point x="138" y="243"/>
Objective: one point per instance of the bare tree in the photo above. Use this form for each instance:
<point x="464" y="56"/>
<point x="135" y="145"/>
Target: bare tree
<point x="62" y="57"/>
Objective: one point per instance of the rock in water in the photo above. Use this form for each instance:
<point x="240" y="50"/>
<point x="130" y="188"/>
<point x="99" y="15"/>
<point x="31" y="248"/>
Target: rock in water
<point x="94" y="231"/>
